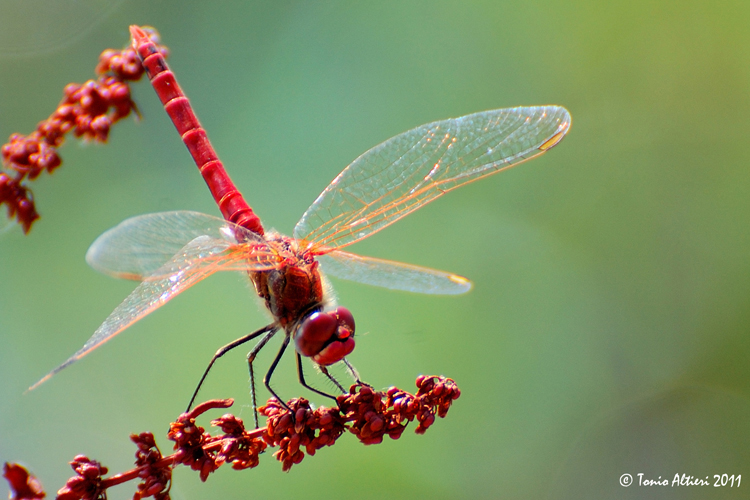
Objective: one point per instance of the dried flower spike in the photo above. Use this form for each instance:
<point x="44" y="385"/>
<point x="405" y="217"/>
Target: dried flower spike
<point x="19" y="200"/>
<point x="89" y="110"/>
<point x="295" y="428"/>
<point x="23" y="485"/>
<point x="155" y="473"/>
<point x="87" y="484"/>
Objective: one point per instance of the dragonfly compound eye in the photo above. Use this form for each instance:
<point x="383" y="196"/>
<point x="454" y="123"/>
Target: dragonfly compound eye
<point x="326" y="337"/>
<point x="345" y="318"/>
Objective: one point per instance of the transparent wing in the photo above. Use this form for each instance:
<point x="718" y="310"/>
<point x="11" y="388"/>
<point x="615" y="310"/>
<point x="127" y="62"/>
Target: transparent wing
<point x="411" y="169"/>
<point x="393" y="275"/>
<point x="198" y="259"/>
<point x="138" y="246"/>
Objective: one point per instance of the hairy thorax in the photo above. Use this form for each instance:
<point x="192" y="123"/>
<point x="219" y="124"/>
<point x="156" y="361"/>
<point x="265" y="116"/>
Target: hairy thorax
<point x="294" y="288"/>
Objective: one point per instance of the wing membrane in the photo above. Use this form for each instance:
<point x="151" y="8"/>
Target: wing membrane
<point x="411" y="169"/>
<point x="138" y="246"/>
<point x="195" y="261"/>
<point x="393" y="275"/>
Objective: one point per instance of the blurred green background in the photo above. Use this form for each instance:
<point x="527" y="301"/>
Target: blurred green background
<point x="607" y="332"/>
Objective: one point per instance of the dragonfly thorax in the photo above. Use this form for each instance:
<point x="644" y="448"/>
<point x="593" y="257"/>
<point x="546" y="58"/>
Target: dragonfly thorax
<point x="294" y="287"/>
<point x="294" y="293"/>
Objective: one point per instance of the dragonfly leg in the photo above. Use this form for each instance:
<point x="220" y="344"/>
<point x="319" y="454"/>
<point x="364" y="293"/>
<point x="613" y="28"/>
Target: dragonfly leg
<point x="250" y="359"/>
<point x="324" y="371"/>
<point x="267" y="378"/>
<point x="223" y="351"/>
<point x="301" y="374"/>
<point x="354" y="373"/>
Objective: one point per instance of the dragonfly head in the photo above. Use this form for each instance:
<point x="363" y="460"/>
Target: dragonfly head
<point x="326" y="336"/>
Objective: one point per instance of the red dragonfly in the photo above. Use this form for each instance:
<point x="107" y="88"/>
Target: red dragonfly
<point x="171" y="251"/>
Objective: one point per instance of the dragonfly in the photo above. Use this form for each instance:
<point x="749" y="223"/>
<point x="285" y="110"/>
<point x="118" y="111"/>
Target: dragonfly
<point x="168" y="252"/>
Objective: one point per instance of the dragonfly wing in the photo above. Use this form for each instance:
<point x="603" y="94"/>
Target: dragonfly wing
<point x="197" y="260"/>
<point x="138" y="246"/>
<point x="391" y="274"/>
<point x="411" y="169"/>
